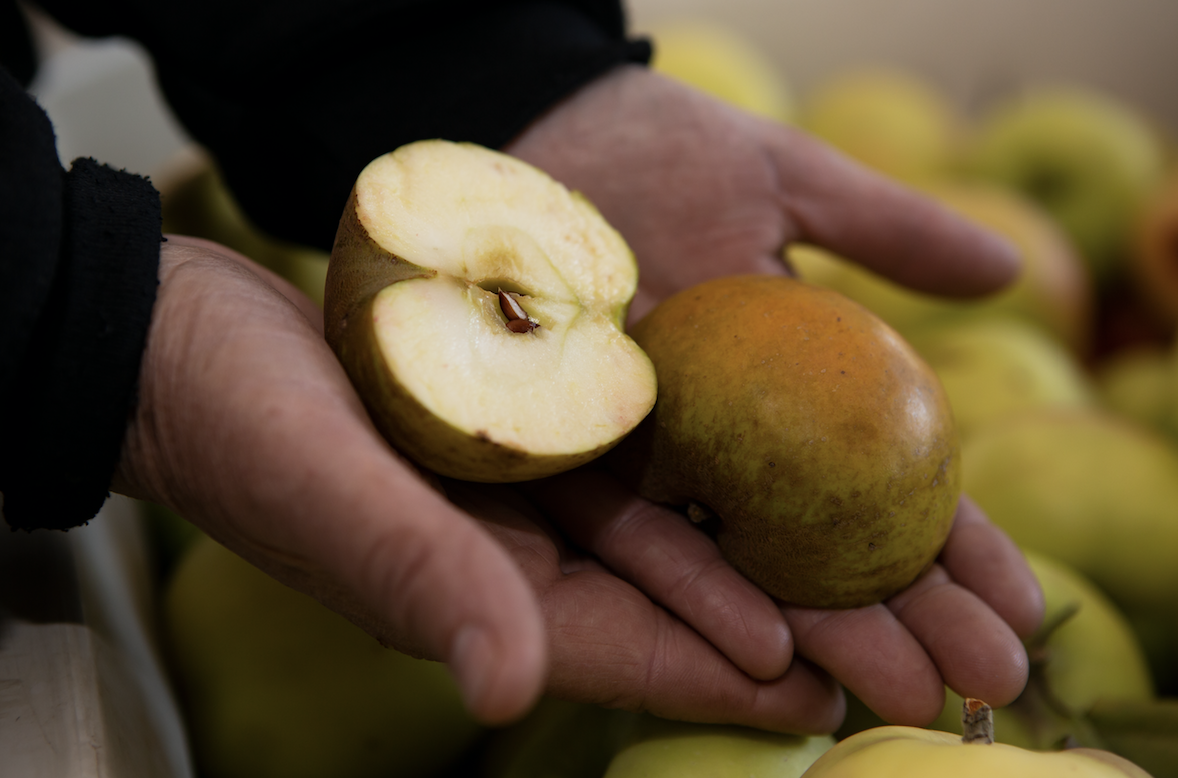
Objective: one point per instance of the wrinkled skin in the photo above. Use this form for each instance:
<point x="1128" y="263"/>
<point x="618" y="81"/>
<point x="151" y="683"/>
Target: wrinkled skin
<point x="248" y="426"/>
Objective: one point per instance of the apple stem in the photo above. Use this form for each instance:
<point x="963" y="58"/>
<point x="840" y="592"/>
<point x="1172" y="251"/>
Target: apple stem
<point x="517" y="318"/>
<point x="977" y="722"/>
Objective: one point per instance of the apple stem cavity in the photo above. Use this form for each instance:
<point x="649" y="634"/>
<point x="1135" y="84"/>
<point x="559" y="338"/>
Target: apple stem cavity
<point x="977" y="722"/>
<point x="517" y="318"/>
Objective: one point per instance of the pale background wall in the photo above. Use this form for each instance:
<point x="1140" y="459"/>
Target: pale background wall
<point x="972" y="49"/>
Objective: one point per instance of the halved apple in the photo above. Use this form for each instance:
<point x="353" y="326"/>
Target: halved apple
<point x="479" y="308"/>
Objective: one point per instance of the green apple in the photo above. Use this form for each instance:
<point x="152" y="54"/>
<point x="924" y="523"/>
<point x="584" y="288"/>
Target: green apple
<point x="1154" y="259"/>
<point x="888" y="119"/>
<point x="1092" y="490"/>
<point x="817" y="436"/>
<point x="1053" y="289"/>
<point x="1085" y="653"/>
<point x="674" y="749"/>
<point x="1089" y="159"/>
<point x="478" y="307"/>
<point x="723" y="63"/>
<point x="911" y="752"/>
<point x="994" y="367"/>
<point x="275" y="684"/>
<point x="1141" y="384"/>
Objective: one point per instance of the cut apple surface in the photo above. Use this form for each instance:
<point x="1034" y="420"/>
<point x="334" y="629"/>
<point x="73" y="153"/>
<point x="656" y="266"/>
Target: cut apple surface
<point x="479" y="307"/>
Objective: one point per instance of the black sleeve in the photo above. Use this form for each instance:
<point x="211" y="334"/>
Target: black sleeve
<point x="79" y="257"/>
<point x="294" y="97"/>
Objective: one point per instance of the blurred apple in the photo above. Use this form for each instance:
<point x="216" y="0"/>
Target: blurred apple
<point x="1053" y="289"/>
<point x="1086" y="652"/>
<point x="725" y="64"/>
<point x="1154" y="260"/>
<point x="1100" y="494"/>
<point x="675" y="749"/>
<point x="992" y="368"/>
<point x="886" y="118"/>
<point x="1141" y="384"/>
<point x="275" y="684"/>
<point x="1090" y="160"/>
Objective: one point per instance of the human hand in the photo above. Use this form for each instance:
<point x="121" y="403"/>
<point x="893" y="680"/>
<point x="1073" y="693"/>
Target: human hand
<point x="658" y="620"/>
<point x="247" y="425"/>
<point x="700" y="190"/>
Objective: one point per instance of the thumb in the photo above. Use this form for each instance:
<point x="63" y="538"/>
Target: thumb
<point x="371" y="540"/>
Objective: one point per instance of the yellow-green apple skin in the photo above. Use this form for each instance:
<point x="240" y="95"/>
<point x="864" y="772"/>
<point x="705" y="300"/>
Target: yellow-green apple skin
<point x="275" y="684"/>
<point x="1053" y="289"/>
<point x="1090" y="489"/>
<point x="911" y="752"/>
<point x="1154" y="259"/>
<point x="817" y="436"/>
<point x="725" y="64"/>
<point x="669" y="749"/>
<point x="1088" y="653"/>
<point x="887" y="119"/>
<point x="431" y="235"/>
<point x="1090" y="160"/>
<point x="994" y="367"/>
<point x="1141" y="384"/>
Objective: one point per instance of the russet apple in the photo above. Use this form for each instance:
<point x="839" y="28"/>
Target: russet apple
<point x="817" y="436"/>
<point x="478" y="307"/>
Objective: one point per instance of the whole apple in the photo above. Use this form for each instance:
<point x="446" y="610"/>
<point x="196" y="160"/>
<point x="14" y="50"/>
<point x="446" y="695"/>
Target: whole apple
<point x="817" y="436"/>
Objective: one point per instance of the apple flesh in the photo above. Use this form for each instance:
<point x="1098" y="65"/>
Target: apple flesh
<point x="478" y="307"/>
<point x="817" y="436"/>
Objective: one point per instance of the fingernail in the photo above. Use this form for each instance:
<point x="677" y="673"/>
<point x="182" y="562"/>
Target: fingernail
<point x="468" y="662"/>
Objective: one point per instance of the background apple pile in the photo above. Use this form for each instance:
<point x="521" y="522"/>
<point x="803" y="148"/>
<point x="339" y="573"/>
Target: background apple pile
<point x="1065" y="390"/>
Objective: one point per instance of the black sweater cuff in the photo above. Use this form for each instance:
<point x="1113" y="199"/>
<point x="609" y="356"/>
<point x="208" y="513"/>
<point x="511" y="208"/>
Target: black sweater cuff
<point x="70" y="383"/>
<point x="293" y="146"/>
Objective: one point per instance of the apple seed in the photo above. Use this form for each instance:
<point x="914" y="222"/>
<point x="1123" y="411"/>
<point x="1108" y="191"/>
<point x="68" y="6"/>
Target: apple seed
<point x="517" y="319"/>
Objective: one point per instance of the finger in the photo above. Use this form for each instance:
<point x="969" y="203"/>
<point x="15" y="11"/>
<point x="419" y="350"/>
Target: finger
<point x="248" y="426"/>
<point x="977" y="653"/>
<point x="866" y="217"/>
<point x="674" y="563"/>
<point x="874" y="656"/>
<point x="983" y="559"/>
<point x="610" y="645"/>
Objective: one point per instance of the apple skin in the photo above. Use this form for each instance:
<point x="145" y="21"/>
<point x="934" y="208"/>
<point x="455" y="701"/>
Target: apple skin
<point x="1098" y="493"/>
<point x="275" y="684"/>
<point x="517" y="406"/>
<point x="819" y="438"/>
<point x="672" y="749"/>
<point x="1090" y="160"/>
<point x="1141" y="384"/>
<point x="911" y="752"/>
<point x="887" y="119"/>
<point x="994" y="367"/>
